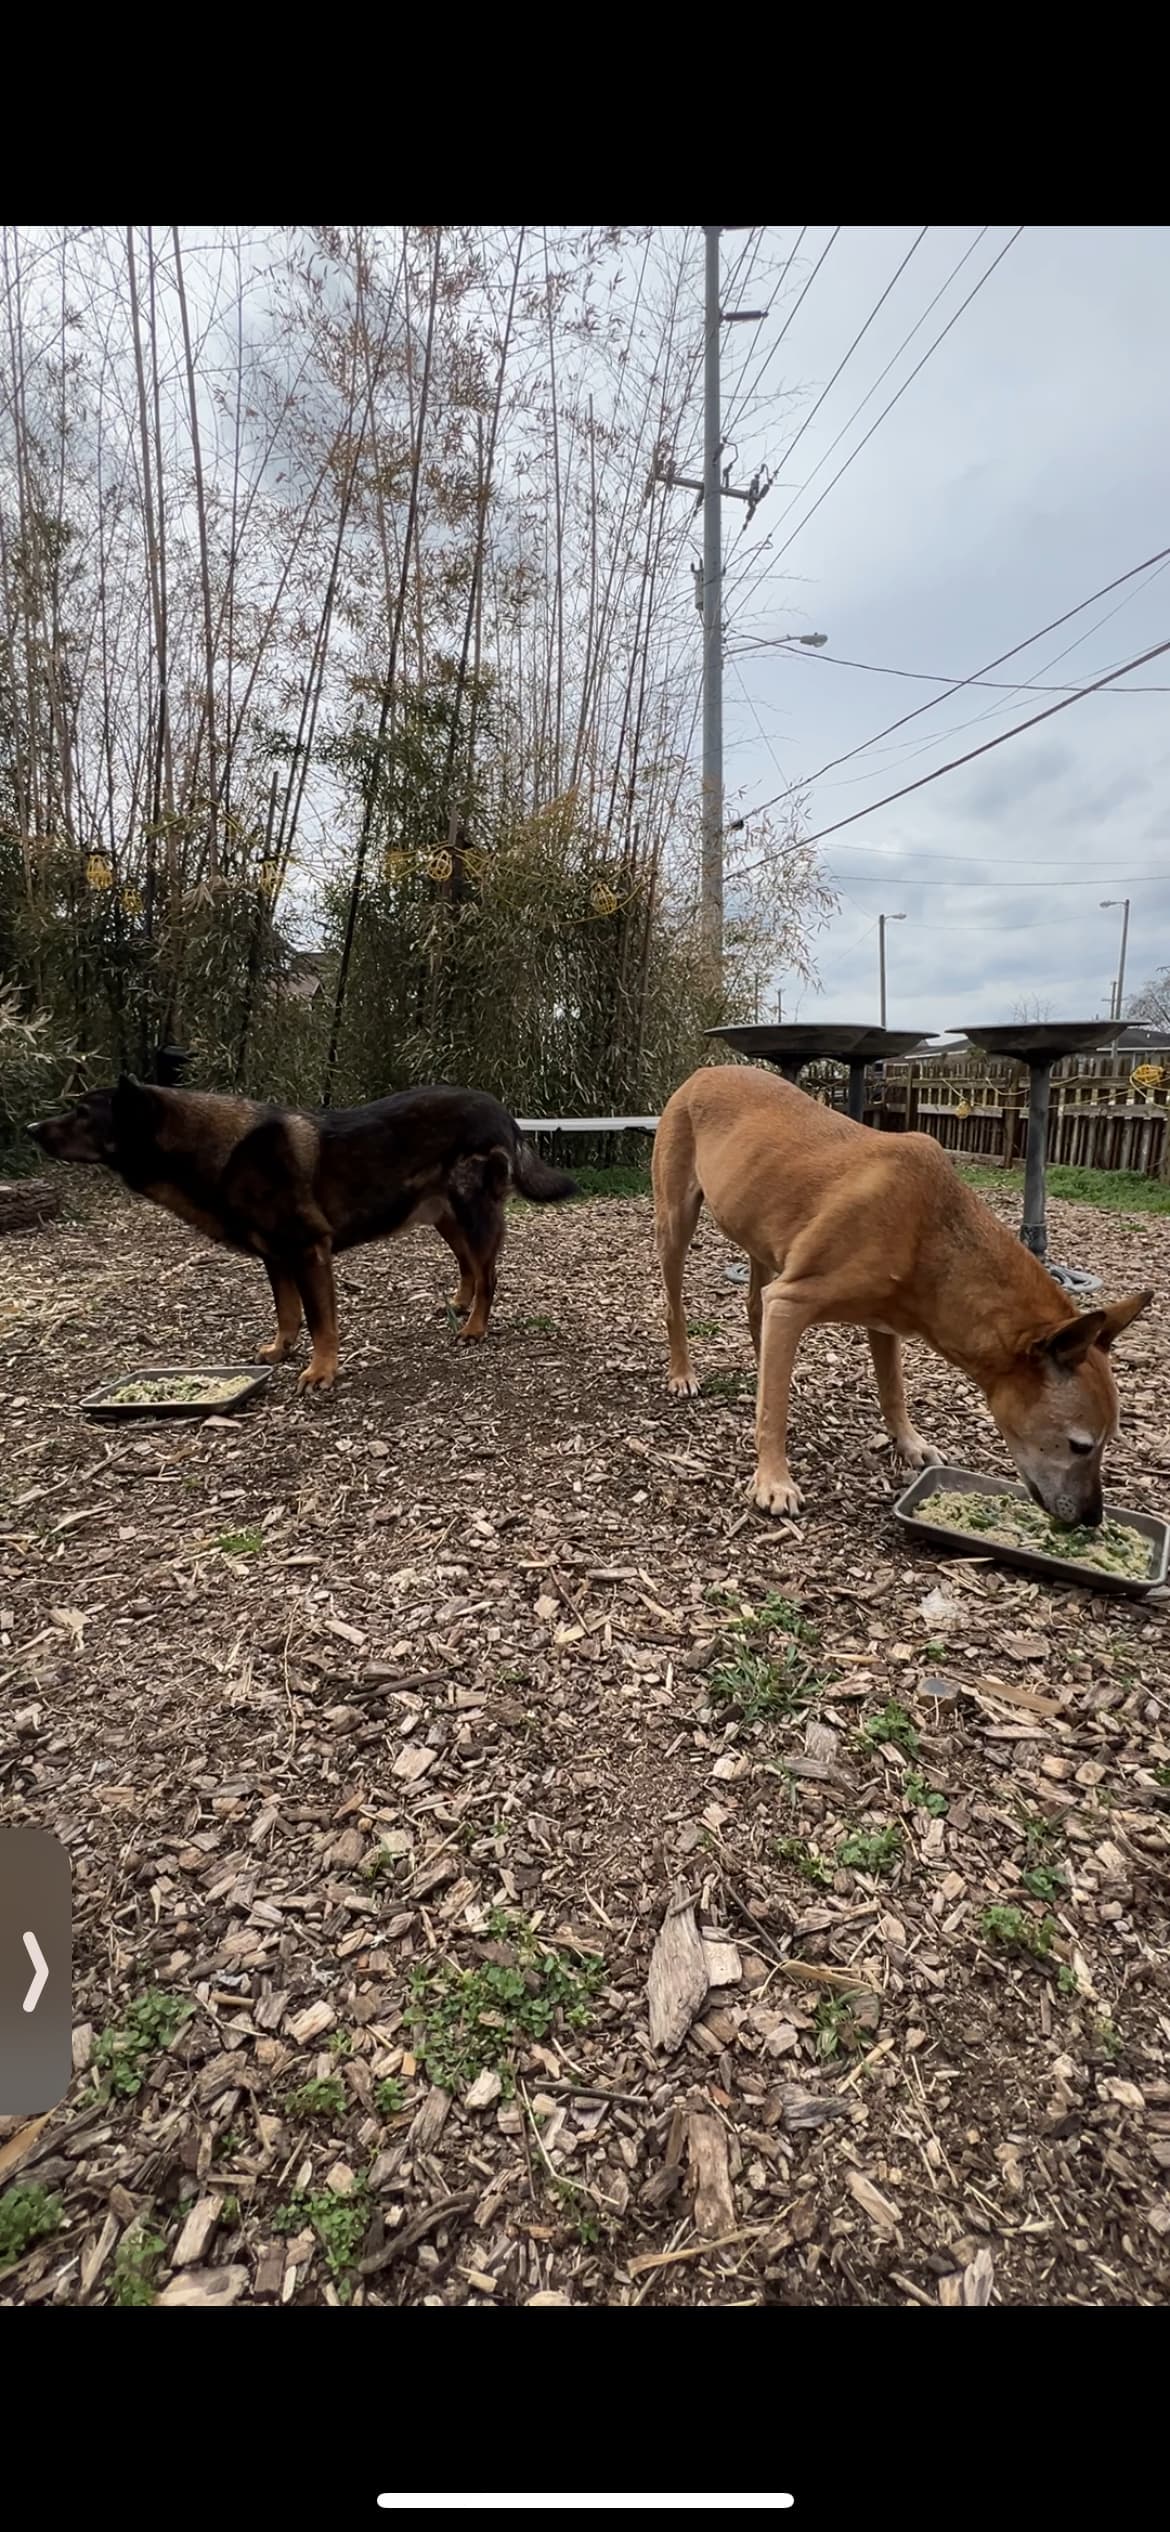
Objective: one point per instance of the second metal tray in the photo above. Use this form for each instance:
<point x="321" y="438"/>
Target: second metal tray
<point x="102" y="1402"/>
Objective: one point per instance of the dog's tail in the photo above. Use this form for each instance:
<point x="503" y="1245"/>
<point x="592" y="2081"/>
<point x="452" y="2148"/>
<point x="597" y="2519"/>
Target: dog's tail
<point x="533" y="1178"/>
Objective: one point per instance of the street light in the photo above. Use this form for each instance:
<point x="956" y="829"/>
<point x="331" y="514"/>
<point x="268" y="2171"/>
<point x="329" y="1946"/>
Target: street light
<point x="1115" y="1012"/>
<point x="883" y="919"/>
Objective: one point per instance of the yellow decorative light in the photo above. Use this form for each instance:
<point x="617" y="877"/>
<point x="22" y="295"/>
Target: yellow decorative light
<point x="131" y="900"/>
<point x="394" y="862"/>
<point x="602" y="899"/>
<point x="99" y="871"/>
<point x="1148" y="1076"/>
<point x="964" y="1108"/>
<point x="440" y="865"/>
<point x="475" y="861"/>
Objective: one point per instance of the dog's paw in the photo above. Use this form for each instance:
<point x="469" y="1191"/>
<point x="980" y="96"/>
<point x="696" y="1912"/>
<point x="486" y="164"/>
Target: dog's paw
<point x="776" y="1495"/>
<point x="683" y="1385"/>
<point x="322" y="1379"/>
<point x="471" y="1336"/>
<point x="275" y="1352"/>
<point x="915" y="1453"/>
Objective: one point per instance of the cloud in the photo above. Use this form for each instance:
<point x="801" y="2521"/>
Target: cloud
<point x="1015" y="778"/>
<point x="1022" y="470"/>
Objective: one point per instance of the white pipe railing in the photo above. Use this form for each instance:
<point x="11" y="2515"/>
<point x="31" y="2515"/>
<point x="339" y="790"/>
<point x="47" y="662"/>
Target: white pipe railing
<point x="587" y="1125"/>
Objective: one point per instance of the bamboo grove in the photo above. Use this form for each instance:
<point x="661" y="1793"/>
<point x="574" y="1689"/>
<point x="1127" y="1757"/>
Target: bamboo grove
<point x="349" y="665"/>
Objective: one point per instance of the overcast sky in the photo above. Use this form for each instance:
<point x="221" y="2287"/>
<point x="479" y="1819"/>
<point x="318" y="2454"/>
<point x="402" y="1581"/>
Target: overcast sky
<point x="1025" y="468"/>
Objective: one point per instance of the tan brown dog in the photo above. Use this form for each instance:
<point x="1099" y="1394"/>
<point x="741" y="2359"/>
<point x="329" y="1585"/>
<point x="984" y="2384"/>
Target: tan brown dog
<point x="876" y="1231"/>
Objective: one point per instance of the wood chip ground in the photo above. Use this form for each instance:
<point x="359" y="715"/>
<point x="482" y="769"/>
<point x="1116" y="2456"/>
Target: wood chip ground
<point x="323" y="1695"/>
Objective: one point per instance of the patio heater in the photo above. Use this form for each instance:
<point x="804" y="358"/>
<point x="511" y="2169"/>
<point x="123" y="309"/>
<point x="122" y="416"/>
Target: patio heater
<point x="1040" y="1045"/>
<point x="791" y="1044"/>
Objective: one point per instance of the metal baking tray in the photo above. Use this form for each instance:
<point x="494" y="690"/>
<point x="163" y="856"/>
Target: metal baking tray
<point x="912" y="1509"/>
<point x="100" y="1403"/>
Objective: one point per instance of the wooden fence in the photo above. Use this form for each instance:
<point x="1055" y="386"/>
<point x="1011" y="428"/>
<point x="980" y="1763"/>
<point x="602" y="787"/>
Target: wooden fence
<point x="1108" y="1110"/>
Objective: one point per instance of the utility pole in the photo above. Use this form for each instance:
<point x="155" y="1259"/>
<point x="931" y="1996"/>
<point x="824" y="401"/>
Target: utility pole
<point x="883" y="919"/>
<point x="1117" y="994"/>
<point x="712" y="490"/>
<point x="712" y="882"/>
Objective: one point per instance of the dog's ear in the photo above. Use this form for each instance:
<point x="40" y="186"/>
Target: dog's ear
<point x="132" y="1098"/>
<point x="1067" y="1346"/>
<point x="1119" y="1316"/>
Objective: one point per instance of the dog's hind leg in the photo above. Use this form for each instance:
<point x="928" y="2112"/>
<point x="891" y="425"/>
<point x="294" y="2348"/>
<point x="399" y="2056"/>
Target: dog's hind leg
<point x="288" y="1316"/>
<point x="887" y="1363"/>
<point x="452" y="1232"/>
<point x="488" y="1241"/>
<point x="314" y="1275"/>
<point x="678" y="1202"/>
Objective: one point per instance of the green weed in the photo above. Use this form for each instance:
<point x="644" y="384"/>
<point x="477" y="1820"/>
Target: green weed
<point x="797" y="1852"/>
<point x="340" y="2224"/>
<point x="918" y="1792"/>
<point x="1015" y="1932"/>
<point x="123" y="2051"/>
<point x="704" y="1327"/>
<point x="389" y="2097"/>
<point x="728" y="1385"/>
<point x="1044" y="1881"/>
<point x="381" y="1863"/>
<point x="871" y="1850"/>
<point x="323" y="2097"/>
<point x="28" y="2214"/>
<point x="132" y="2277"/>
<point x="241" y="1542"/>
<point x="467" y="2020"/>
<point x="836" y="2027"/>
<point x="777" y="1682"/>
<point x="892" y="1724"/>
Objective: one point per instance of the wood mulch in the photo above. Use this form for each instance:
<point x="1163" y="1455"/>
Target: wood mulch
<point x="507" y="1869"/>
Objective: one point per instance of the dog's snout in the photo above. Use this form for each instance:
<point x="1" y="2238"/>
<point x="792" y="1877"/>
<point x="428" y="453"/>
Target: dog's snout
<point x="1079" y="1510"/>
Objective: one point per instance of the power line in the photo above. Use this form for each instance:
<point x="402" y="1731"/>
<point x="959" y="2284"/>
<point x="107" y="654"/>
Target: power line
<point x="992" y="711"/>
<point x="1016" y="731"/>
<point x="920" y="676"/>
<point x="863" y="330"/>
<point x="793" y="312"/>
<point x="882" y="375"/>
<point x="895" y="399"/>
<point x="881" y="879"/>
<point x="961" y="682"/>
<point x="734" y="406"/>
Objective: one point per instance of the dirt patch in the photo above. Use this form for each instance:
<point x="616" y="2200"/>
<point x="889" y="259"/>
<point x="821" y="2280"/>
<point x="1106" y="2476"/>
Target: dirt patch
<point x="385" y="1730"/>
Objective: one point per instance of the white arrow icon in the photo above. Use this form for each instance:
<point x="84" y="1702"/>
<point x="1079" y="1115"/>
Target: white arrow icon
<point x="40" y="1973"/>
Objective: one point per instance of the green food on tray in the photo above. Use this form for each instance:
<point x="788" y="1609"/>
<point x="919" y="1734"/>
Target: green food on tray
<point x="1010" y="1521"/>
<point x="185" y="1389"/>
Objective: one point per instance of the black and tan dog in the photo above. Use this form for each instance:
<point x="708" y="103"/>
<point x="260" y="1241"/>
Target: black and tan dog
<point x="292" y="1187"/>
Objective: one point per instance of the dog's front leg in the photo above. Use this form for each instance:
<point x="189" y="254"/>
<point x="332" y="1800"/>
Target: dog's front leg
<point x="887" y="1363"/>
<point x="783" y="1324"/>
<point x="314" y="1274"/>
<point x="288" y="1315"/>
